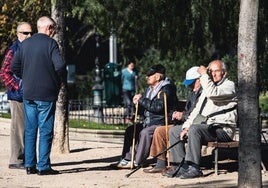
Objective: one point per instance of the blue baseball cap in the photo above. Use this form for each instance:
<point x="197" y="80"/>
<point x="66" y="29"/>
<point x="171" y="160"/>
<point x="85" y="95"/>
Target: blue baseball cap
<point x="191" y="76"/>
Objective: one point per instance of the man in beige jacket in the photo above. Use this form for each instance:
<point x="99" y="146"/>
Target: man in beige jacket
<point x="217" y="107"/>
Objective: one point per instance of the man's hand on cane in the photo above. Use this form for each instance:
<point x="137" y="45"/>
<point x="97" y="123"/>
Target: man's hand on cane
<point x="184" y="134"/>
<point x="136" y="98"/>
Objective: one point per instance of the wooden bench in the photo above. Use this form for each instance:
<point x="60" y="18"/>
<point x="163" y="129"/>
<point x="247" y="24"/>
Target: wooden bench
<point x="221" y="145"/>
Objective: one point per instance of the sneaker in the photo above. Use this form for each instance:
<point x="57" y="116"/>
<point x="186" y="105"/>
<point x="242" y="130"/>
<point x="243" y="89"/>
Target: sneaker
<point x="125" y="164"/>
<point x="191" y="172"/>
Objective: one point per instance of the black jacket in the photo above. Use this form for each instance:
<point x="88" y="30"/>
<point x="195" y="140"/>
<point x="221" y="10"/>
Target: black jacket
<point x="155" y="107"/>
<point x="42" y="69"/>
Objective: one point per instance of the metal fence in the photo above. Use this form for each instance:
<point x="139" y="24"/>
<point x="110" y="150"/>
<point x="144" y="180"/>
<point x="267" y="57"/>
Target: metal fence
<point x="84" y="110"/>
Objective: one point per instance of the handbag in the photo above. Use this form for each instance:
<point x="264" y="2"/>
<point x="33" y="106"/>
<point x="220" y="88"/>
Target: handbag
<point x="16" y="95"/>
<point x="200" y="119"/>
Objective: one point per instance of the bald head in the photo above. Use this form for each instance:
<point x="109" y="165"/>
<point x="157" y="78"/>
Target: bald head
<point x="217" y="70"/>
<point x="218" y="63"/>
<point x="45" y="21"/>
<point x="46" y="25"/>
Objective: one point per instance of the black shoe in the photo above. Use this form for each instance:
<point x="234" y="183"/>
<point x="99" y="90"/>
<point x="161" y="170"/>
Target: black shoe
<point x="16" y="166"/>
<point x="192" y="172"/>
<point x="31" y="170"/>
<point x="174" y="172"/>
<point x="48" y="172"/>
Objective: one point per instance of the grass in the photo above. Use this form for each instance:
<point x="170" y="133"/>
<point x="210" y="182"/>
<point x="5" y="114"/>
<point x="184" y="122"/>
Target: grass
<point x="91" y="125"/>
<point x="5" y="115"/>
<point x="84" y="124"/>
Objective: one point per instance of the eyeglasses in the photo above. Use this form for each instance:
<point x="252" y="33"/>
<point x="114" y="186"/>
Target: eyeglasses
<point x="26" y="32"/>
<point x="215" y="71"/>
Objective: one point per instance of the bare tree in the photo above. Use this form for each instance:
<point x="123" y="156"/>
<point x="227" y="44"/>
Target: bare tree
<point x="248" y="106"/>
<point x="61" y="131"/>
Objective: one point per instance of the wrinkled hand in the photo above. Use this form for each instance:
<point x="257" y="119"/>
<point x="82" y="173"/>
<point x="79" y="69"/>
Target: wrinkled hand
<point x="184" y="134"/>
<point x="202" y="70"/>
<point x="136" y="98"/>
<point x="177" y="115"/>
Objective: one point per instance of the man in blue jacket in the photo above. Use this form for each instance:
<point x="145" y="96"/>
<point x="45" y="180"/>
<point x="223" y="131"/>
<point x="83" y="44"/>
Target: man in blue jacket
<point x="43" y="70"/>
<point x="14" y="94"/>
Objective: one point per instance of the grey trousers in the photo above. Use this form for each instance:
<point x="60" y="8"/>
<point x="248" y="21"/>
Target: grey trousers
<point x="197" y="136"/>
<point x="16" y="133"/>
<point x="143" y="140"/>
<point x="177" y="153"/>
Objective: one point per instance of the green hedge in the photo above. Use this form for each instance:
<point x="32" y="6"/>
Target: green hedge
<point x="263" y="103"/>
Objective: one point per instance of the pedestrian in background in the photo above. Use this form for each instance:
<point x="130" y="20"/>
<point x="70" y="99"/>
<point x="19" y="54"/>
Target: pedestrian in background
<point x="129" y="85"/>
<point x="14" y="94"/>
<point x="43" y="70"/>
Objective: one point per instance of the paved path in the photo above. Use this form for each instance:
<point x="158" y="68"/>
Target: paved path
<point x="88" y="165"/>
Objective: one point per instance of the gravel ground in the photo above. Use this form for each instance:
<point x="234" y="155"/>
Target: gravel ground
<point x="89" y="165"/>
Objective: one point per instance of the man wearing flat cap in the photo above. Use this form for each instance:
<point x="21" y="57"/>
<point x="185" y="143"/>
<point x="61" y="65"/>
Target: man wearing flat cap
<point x="150" y="104"/>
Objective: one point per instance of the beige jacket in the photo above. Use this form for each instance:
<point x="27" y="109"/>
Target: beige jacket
<point x="219" y="97"/>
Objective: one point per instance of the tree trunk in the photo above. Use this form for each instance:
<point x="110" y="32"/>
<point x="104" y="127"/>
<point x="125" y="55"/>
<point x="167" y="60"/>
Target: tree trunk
<point x="249" y="172"/>
<point x="61" y="131"/>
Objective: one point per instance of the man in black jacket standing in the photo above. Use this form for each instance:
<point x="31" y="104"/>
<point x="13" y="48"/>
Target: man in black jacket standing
<point x="153" y="106"/>
<point x="42" y="69"/>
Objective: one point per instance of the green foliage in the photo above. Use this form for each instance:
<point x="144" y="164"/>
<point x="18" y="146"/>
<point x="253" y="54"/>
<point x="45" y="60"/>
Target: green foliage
<point x="84" y="85"/>
<point x="175" y="69"/>
<point x="91" y="125"/>
<point x="17" y="11"/>
<point x="263" y="103"/>
<point x="231" y="64"/>
<point x="184" y="33"/>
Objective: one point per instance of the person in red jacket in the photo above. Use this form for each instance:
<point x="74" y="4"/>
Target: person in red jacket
<point x="14" y="92"/>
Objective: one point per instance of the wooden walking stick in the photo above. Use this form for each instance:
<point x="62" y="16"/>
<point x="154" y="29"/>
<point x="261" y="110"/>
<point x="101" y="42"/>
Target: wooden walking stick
<point x="134" y="136"/>
<point x="166" y="124"/>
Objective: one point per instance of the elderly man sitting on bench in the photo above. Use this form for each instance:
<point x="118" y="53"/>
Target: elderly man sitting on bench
<point x="213" y="118"/>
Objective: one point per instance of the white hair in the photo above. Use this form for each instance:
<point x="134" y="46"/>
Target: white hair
<point x="45" y="21"/>
<point x="223" y="65"/>
<point x="22" y="23"/>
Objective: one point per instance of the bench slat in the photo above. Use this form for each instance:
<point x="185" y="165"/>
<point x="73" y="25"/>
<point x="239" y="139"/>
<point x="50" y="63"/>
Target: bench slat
<point x="233" y="144"/>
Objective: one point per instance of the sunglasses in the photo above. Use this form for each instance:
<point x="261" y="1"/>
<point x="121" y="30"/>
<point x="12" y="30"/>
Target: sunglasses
<point x="26" y="33"/>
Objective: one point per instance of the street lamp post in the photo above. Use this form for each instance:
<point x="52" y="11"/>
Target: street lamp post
<point x="97" y="88"/>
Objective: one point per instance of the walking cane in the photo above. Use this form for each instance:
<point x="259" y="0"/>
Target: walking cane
<point x="166" y="123"/>
<point x="165" y="150"/>
<point x="134" y="136"/>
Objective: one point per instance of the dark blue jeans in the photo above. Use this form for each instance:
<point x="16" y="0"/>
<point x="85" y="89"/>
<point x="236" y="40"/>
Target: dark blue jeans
<point x="38" y="115"/>
<point x="128" y="96"/>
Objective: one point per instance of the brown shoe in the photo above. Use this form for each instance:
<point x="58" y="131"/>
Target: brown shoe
<point x="154" y="170"/>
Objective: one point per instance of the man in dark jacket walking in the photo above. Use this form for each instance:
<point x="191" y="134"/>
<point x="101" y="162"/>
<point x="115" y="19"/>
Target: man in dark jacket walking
<point x="152" y="103"/>
<point x="39" y="63"/>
